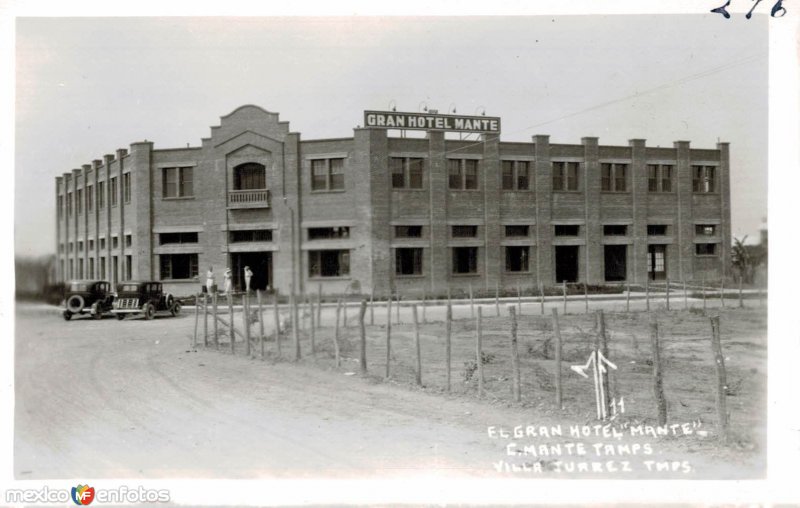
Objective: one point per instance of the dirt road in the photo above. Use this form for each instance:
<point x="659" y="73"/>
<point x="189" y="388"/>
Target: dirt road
<point x="99" y="399"/>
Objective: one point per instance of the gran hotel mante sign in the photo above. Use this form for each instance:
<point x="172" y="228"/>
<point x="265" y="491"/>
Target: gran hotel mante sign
<point x="431" y="122"/>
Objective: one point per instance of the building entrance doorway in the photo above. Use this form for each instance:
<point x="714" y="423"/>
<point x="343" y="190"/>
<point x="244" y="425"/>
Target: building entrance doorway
<point x="260" y="264"/>
<point x="616" y="267"/>
<point x="657" y="262"/>
<point x="566" y="263"/>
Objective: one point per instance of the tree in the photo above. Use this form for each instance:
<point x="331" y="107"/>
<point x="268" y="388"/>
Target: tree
<point x="746" y="258"/>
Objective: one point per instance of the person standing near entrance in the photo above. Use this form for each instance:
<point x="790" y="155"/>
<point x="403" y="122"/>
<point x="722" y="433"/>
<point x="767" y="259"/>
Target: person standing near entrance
<point x="228" y="281"/>
<point x="210" y="282"/>
<point x="248" y="274"/>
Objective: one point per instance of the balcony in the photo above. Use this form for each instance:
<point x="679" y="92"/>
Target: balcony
<point x="251" y="198"/>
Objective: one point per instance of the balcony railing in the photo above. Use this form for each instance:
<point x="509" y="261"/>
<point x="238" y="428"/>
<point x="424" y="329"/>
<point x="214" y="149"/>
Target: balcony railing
<point x="258" y="198"/>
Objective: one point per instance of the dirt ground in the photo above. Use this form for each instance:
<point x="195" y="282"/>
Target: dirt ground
<point x="133" y="399"/>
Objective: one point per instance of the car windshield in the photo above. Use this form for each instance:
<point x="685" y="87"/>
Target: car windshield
<point x="76" y="286"/>
<point x="131" y="288"/>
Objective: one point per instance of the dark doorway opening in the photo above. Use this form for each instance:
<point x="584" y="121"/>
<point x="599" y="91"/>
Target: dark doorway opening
<point x="260" y="264"/>
<point x="657" y="262"/>
<point x="567" y="263"/>
<point x="616" y="257"/>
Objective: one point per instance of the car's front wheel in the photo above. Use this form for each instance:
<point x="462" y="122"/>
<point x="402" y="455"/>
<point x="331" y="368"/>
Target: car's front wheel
<point x="149" y="311"/>
<point x="67" y="315"/>
<point x="97" y="312"/>
<point x="176" y="308"/>
<point x="120" y="317"/>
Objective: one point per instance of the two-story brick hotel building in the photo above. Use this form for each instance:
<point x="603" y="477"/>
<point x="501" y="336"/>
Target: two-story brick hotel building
<point x="380" y="211"/>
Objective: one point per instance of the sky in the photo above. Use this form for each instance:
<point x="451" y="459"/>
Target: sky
<point x="88" y="86"/>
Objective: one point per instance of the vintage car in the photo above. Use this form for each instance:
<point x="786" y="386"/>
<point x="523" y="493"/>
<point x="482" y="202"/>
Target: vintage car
<point x="87" y="296"/>
<point x="145" y="297"/>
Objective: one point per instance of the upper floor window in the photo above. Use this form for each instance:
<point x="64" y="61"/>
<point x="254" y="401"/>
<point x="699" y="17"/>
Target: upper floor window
<point x="101" y="195"/>
<point x="168" y="238"/>
<point x="516" y="175"/>
<point x="462" y="174"/>
<point x="615" y="230"/>
<point x="112" y="187"/>
<point x="704" y="179"/>
<point x="659" y="177"/>
<point x="567" y="230"/>
<point x="517" y="230"/>
<point x="408" y="231"/>
<point x="565" y="176"/>
<point x="128" y="240"/>
<point x="69" y="204"/>
<point x="89" y="198"/>
<point x="79" y="200"/>
<point x="464" y="231"/>
<point x="705" y="229"/>
<point x="328" y="233"/>
<point x="126" y="187"/>
<point x="327" y="174"/>
<point x="406" y="172"/>
<point x="178" y="182"/>
<point x="656" y="229"/>
<point x="251" y="235"/>
<point x="60" y="206"/>
<point x="613" y="177"/>
<point x="251" y="176"/>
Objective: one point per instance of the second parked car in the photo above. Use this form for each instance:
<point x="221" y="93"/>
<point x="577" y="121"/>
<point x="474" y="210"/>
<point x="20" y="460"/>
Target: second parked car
<point x="144" y="297"/>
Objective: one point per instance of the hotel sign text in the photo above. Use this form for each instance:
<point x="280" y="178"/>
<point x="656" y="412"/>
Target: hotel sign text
<point x="431" y="122"/>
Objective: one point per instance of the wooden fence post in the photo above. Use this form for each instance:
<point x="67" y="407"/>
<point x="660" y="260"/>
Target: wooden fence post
<point x="313" y="325"/>
<point x="541" y="299"/>
<point x="277" y="316"/>
<point x="295" y="325"/>
<point x="471" y="303"/>
<point x="230" y="316"/>
<point x="344" y="311"/>
<point x="497" y="299"/>
<point x="722" y="292"/>
<point x="448" y="325"/>
<point x="722" y="384"/>
<point x="214" y="310"/>
<point x="647" y="293"/>
<point x="336" y="333"/>
<point x="667" y="294"/>
<point x="564" y="290"/>
<point x="397" y="308"/>
<point x="260" y="322"/>
<point x="586" y="296"/>
<point x="319" y="306"/>
<point x="372" y="306"/>
<point x="479" y="350"/>
<point x="246" y="322"/>
<point x="424" y="305"/>
<point x="601" y="344"/>
<point x="417" y="345"/>
<point x="741" y="301"/>
<point x="704" y="294"/>
<point x="627" y="297"/>
<point x="205" y="319"/>
<point x="515" y="376"/>
<point x="363" y="359"/>
<point x="658" y="383"/>
<point x="685" y="296"/>
<point x="519" y="300"/>
<point x="557" y="333"/>
<point x="389" y="336"/>
<point x="196" y="319"/>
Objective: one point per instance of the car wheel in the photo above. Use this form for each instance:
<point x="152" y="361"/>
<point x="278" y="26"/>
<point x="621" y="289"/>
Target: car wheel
<point x="176" y="309"/>
<point x="67" y="315"/>
<point x="75" y="303"/>
<point x="97" y="312"/>
<point x="120" y="317"/>
<point x="149" y="311"/>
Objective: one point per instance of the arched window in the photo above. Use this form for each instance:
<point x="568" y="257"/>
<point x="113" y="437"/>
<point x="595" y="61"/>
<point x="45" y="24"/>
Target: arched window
<point x="250" y="176"/>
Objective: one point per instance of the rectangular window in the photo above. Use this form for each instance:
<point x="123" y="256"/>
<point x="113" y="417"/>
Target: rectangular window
<point x="172" y="238"/>
<point x="567" y="230"/>
<point x="101" y="195"/>
<point x="128" y="240"/>
<point x="128" y="267"/>
<point x="656" y="229"/>
<point x="408" y="231"/>
<point x="558" y="176"/>
<point x="91" y="244"/>
<point x="114" y="242"/>
<point x="114" y="191"/>
<point x="408" y="261"/>
<point x="60" y="206"/>
<point x="251" y="235"/>
<point x="328" y="233"/>
<point x="102" y="267"/>
<point x="703" y="179"/>
<point x="126" y="187"/>
<point x="90" y="198"/>
<point x="615" y="230"/>
<point x="80" y="245"/>
<point x="80" y="268"/>
<point x="462" y="174"/>
<point x="464" y="231"/>
<point x="178" y="266"/>
<point x="652" y="177"/>
<point x="249" y="177"/>
<point x="69" y="204"/>
<point x="407" y="173"/>
<point x="666" y="178"/>
<point x="572" y="176"/>
<point x="517" y="231"/>
<point x="71" y="246"/>
<point x="79" y="200"/>
<point x="565" y="176"/>
<point x="465" y="260"/>
<point x="91" y="268"/>
<point x="327" y="174"/>
<point x="102" y="244"/>
<point x="613" y="177"/>
<point x="515" y="175"/>
<point x="517" y="258"/>
<point x="328" y="263"/>
<point x="705" y="229"/>
<point x="178" y="182"/>
<point x="659" y="178"/>
<point x="705" y="249"/>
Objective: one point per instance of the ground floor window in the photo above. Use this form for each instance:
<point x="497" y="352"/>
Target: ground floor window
<point x="465" y="260"/>
<point x="657" y="262"/>
<point x="408" y="261"/>
<point x="91" y="268"/>
<point x="103" y="268"/>
<point x="128" y="267"/>
<point x="517" y="258"/>
<point x="178" y="266"/>
<point x="328" y="263"/>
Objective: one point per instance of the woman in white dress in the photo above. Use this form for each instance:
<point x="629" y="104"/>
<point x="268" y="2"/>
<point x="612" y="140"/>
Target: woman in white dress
<point x="228" y="281"/>
<point x="210" y="282"/>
